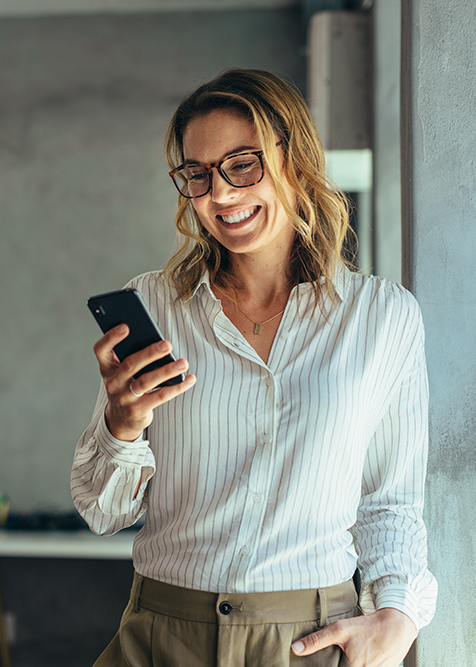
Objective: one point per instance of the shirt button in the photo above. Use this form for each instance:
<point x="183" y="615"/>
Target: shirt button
<point x="268" y="382"/>
<point x="257" y="498"/>
<point x="225" y="608"/>
<point x="285" y="333"/>
<point x="265" y="439"/>
<point x="245" y="551"/>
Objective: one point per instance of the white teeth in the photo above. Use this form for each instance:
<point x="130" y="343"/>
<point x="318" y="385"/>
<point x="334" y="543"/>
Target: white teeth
<point x="238" y="217"/>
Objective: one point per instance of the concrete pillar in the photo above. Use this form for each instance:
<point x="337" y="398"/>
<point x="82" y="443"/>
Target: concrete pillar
<point x="439" y="205"/>
<point x="387" y="249"/>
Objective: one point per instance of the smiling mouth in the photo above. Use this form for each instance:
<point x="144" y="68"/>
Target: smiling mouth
<point x="239" y="217"/>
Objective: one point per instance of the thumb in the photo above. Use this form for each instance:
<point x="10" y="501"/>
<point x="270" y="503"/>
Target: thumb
<point x="329" y="636"/>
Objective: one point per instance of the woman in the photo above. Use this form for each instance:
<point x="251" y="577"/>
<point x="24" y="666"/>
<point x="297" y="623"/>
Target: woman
<point x="305" y="432"/>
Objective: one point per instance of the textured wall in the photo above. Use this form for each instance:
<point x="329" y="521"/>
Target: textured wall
<point x="443" y="69"/>
<point x="86" y="201"/>
<point x="387" y="193"/>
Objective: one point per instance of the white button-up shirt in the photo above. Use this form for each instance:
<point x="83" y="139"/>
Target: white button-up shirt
<point x="264" y="476"/>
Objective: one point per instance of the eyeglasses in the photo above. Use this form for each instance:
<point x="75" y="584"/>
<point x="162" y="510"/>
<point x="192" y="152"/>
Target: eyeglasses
<point x="240" y="171"/>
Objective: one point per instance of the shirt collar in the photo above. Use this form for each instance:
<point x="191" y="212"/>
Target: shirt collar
<point x="339" y="283"/>
<point x="341" y="280"/>
<point x="204" y="284"/>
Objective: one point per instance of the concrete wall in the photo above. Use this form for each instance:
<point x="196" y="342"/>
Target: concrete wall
<point x="442" y="66"/>
<point x="86" y="202"/>
<point x="387" y="230"/>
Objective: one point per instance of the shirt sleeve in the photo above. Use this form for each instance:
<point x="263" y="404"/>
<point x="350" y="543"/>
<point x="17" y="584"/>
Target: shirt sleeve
<point x="389" y="534"/>
<point x="105" y="475"/>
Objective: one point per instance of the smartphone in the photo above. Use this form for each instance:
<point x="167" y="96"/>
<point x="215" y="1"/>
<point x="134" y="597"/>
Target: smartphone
<point x="127" y="306"/>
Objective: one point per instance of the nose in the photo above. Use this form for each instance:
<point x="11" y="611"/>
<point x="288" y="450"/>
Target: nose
<point x="221" y="190"/>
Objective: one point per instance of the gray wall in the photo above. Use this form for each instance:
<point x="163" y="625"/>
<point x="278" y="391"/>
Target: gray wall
<point x="86" y="201"/>
<point x="387" y="230"/>
<point x="441" y="269"/>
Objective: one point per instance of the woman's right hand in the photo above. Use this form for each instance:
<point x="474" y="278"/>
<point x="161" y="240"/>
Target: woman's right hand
<point x="127" y="413"/>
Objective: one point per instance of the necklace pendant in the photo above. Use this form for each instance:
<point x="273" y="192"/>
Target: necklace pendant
<point x="257" y="329"/>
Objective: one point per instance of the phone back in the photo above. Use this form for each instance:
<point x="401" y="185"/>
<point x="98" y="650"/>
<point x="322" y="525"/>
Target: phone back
<point x="127" y="307"/>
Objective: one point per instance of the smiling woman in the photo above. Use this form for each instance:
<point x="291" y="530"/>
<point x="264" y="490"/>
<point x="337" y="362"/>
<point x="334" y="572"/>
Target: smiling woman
<point x="250" y="221"/>
<point x="303" y="433"/>
<point x="280" y="125"/>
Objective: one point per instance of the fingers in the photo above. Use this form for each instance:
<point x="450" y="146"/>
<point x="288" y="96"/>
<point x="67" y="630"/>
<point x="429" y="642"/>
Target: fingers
<point x="117" y="374"/>
<point x="147" y="384"/>
<point x="330" y="636"/>
<point x="128" y="414"/>
<point x="104" y="348"/>
<point x="150" y="380"/>
<point x="381" y="639"/>
<point x="131" y="402"/>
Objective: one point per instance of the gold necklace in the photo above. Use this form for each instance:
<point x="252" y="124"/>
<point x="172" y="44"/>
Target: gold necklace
<point x="257" y="325"/>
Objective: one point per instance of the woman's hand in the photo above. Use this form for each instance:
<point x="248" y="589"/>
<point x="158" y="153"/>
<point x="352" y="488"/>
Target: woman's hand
<point x="127" y="413"/>
<point x="381" y="639"/>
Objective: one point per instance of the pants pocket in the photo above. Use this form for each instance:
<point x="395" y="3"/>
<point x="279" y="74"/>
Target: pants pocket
<point x="332" y="656"/>
<point x="344" y="661"/>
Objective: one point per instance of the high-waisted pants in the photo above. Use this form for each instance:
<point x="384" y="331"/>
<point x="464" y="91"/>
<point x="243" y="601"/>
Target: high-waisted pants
<point x="168" y="626"/>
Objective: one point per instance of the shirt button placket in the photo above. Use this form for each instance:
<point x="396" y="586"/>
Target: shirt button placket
<point x="258" y="483"/>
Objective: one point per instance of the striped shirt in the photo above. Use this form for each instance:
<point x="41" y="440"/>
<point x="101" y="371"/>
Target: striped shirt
<point x="265" y="476"/>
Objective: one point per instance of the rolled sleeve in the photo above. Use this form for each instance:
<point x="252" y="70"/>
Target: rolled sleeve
<point x="106" y="474"/>
<point x="389" y="534"/>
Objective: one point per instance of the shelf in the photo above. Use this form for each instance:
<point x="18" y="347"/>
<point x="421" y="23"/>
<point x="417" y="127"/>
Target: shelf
<point x="62" y="544"/>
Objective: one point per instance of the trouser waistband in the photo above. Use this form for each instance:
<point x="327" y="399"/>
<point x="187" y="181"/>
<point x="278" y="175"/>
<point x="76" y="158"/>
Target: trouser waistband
<point x="243" y="608"/>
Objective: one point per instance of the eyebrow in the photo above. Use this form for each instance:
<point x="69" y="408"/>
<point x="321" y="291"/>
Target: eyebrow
<point x="235" y="151"/>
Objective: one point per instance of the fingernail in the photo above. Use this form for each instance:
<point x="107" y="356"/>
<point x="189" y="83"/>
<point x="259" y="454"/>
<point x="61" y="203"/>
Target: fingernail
<point x="163" y="346"/>
<point x="298" y="647"/>
<point x="181" y="364"/>
<point x="121" y="329"/>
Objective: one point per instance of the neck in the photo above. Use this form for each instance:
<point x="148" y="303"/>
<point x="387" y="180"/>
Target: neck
<point x="258" y="296"/>
<point x="260" y="280"/>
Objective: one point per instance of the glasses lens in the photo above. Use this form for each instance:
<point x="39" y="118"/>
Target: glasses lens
<point x="192" y="180"/>
<point x="242" y="170"/>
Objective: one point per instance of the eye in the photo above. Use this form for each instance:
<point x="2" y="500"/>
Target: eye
<point x="196" y="174"/>
<point x="241" y="166"/>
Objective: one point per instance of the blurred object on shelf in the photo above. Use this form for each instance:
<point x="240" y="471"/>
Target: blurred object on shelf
<point x="4" y="509"/>
<point x="43" y="521"/>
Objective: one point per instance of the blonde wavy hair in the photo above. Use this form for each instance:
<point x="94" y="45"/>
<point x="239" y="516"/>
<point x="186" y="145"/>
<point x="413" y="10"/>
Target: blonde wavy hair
<point x="321" y="214"/>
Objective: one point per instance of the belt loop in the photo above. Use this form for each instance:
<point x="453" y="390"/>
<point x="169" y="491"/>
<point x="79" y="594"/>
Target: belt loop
<point x="322" y="607"/>
<point x="136" y="592"/>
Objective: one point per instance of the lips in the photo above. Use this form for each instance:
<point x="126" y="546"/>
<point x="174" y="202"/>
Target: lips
<point x="240" y="216"/>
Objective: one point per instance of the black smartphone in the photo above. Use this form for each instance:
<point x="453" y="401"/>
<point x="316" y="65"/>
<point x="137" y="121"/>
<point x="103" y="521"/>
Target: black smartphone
<point x="126" y="306"/>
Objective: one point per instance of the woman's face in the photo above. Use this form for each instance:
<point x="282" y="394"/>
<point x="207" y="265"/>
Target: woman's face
<point x="248" y="220"/>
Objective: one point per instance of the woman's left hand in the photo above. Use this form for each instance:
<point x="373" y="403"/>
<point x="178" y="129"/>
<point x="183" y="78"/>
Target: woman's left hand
<point x="381" y="639"/>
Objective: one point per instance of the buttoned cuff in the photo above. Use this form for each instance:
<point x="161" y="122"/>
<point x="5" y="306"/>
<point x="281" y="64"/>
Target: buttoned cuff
<point x="396" y="596"/>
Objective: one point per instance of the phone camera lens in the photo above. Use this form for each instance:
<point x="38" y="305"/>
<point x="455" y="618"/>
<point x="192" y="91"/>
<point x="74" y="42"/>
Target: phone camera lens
<point x="99" y="310"/>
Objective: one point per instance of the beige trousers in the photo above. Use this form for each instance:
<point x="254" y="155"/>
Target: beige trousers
<point x="167" y="626"/>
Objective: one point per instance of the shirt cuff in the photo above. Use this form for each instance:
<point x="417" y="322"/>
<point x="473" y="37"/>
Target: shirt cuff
<point x="125" y="454"/>
<point x="400" y="598"/>
<point x="396" y="596"/>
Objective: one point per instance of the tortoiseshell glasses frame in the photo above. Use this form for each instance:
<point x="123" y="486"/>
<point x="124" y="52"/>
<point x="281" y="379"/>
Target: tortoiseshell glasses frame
<point x="243" y="175"/>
